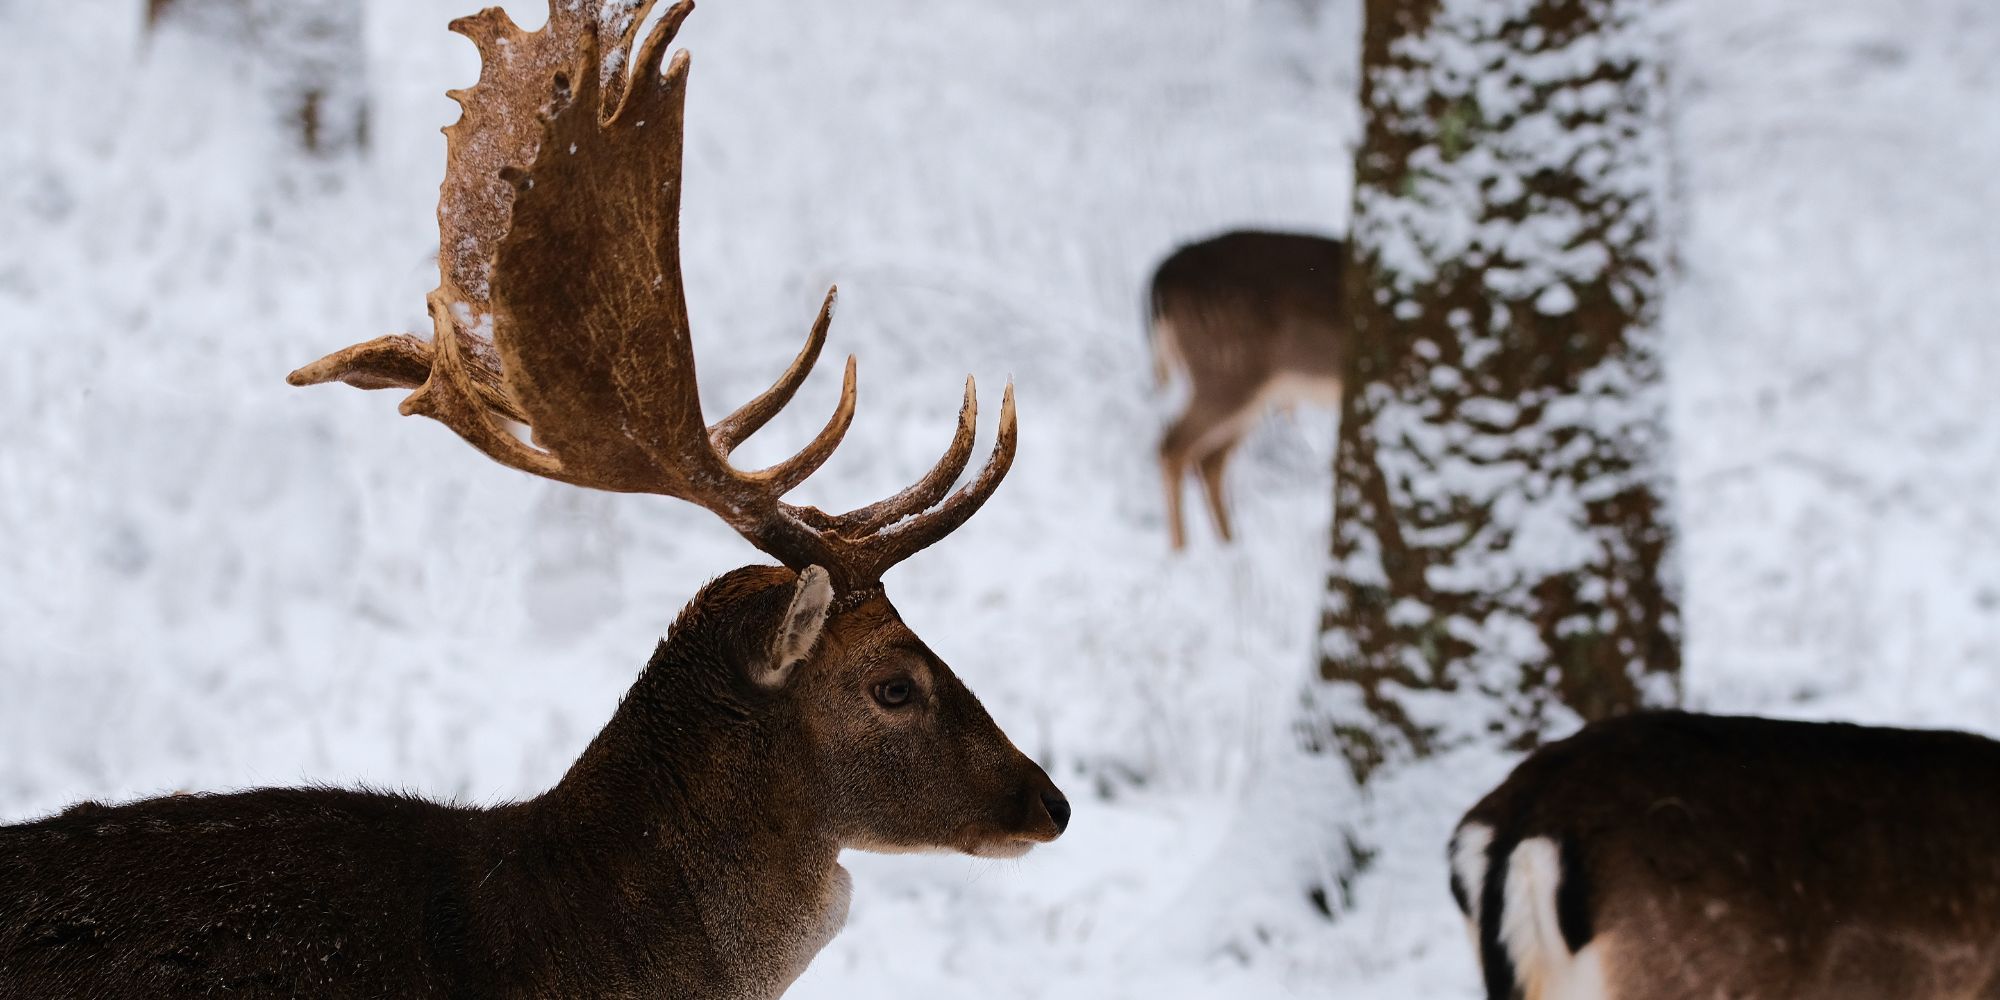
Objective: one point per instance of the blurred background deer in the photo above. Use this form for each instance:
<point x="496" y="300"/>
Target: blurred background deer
<point x="1253" y="320"/>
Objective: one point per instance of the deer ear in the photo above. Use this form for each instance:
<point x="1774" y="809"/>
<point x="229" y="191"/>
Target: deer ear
<point x="799" y="630"/>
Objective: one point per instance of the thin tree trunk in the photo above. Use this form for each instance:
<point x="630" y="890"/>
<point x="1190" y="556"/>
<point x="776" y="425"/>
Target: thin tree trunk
<point x="306" y="56"/>
<point x="1502" y="552"/>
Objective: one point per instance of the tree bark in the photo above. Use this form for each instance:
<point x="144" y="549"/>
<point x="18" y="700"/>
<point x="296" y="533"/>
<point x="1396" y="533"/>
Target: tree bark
<point x="1502" y="559"/>
<point x="307" y="56"/>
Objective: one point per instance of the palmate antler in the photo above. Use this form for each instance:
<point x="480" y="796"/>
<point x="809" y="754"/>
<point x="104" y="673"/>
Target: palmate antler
<point x="561" y="305"/>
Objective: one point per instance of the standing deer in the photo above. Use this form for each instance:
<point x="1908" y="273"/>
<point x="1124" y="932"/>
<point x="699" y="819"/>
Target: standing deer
<point x="1686" y="857"/>
<point x="692" y="850"/>
<point x="1255" y="320"/>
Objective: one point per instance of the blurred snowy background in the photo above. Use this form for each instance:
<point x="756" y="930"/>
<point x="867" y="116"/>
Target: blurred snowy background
<point x="210" y="580"/>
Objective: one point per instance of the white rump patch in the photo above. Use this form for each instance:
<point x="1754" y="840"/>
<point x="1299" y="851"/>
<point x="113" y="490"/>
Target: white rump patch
<point x="1543" y="965"/>
<point x="1168" y="360"/>
<point x="1468" y="866"/>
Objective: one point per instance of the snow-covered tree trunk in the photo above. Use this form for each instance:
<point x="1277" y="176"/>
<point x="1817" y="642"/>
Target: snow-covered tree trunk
<point x="305" y="56"/>
<point x="1502" y="547"/>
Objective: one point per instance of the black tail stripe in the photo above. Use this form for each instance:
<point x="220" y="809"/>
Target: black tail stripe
<point x="1459" y="893"/>
<point x="1573" y="897"/>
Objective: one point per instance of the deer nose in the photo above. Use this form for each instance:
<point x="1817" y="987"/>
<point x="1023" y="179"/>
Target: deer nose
<point x="1058" y="808"/>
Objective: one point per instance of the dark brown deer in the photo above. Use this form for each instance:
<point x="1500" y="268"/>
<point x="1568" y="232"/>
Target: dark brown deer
<point x="1687" y="857"/>
<point x="692" y="850"/>
<point x="1255" y="320"/>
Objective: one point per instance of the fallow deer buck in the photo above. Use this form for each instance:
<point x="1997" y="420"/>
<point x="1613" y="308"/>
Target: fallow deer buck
<point x="1685" y="857"/>
<point x="692" y="850"/>
<point x="1255" y="321"/>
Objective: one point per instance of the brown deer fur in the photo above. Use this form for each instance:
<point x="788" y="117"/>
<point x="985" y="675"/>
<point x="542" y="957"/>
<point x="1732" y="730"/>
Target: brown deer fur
<point x="1255" y="320"/>
<point x="1671" y="856"/>
<point x="690" y="852"/>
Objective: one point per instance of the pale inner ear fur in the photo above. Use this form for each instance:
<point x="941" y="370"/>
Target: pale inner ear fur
<point x="811" y="597"/>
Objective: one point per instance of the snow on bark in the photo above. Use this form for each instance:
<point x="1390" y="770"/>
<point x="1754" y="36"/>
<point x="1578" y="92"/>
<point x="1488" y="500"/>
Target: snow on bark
<point x="1502" y="560"/>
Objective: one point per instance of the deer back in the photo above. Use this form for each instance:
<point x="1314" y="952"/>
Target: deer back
<point x="1250" y="307"/>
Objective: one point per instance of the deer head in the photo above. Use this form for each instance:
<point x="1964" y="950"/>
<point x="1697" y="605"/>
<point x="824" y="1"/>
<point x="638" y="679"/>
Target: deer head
<point x="561" y="308"/>
<point x="879" y="744"/>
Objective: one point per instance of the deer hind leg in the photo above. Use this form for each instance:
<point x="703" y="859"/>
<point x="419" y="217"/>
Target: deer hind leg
<point x="1203" y="437"/>
<point x="1187" y="438"/>
<point x="1173" y="470"/>
<point x="1211" y="467"/>
<point x="1223" y="428"/>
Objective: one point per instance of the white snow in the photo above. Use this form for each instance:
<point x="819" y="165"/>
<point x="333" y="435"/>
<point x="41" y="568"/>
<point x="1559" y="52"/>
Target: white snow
<point x="211" y="580"/>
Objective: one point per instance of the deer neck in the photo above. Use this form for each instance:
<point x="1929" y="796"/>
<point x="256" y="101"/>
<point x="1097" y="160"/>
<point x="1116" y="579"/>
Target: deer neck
<point x="701" y="799"/>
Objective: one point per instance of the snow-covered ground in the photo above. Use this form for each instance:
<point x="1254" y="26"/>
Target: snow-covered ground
<point x="209" y="580"/>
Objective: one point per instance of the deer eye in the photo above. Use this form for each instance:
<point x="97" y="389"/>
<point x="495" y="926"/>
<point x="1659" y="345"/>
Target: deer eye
<point x="894" y="694"/>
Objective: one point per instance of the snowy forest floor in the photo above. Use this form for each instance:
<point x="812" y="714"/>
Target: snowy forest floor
<point x="209" y="580"/>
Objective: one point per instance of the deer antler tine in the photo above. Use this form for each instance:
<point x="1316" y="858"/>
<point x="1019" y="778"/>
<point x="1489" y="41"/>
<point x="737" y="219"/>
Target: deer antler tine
<point x="398" y="361"/>
<point x="900" y="541"/>
<point x="751" y="417"/>
<point x="653" y="54"/>
<point x="785" y="476"/>
<point x="644" y="9"/>
<point x="616" y="42"/>
<point x="485" y="27"/>
<point x="401" y="361"/>
<point x="926" y="492"/>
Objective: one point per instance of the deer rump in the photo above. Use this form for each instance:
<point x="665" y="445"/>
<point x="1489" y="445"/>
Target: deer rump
<point x="1672" y="856"/>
